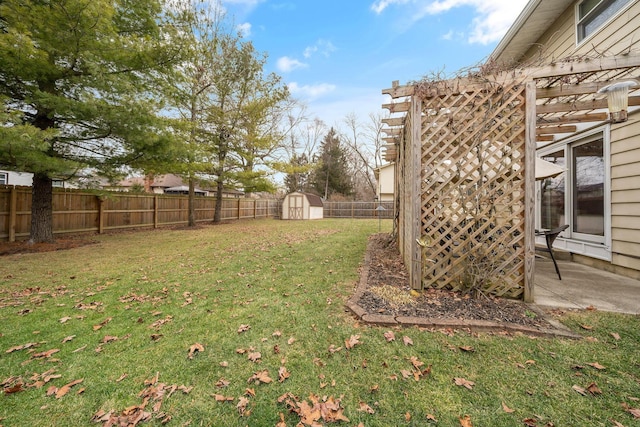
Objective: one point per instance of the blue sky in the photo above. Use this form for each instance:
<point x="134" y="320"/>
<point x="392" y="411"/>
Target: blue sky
<point x="336" y="56"/>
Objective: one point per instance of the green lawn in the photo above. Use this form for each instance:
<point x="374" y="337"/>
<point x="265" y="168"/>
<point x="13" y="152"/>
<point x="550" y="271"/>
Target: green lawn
<point x="255" y="301"/>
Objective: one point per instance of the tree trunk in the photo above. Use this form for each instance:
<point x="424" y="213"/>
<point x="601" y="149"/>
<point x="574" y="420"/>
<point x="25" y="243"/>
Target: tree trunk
<point x="217" y="214"/>
<point x="191" y="203"/>
<point x="41" y="209"/>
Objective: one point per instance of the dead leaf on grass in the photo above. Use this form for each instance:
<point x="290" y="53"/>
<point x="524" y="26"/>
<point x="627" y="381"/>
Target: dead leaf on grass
<point x="593" y="389"/>
<point x="334" y="349"/>
<point x="352" y="341"/>
<point x="65" y="319"/>
<point x="283" y="374"/>
<point x="633" y="411"/>
<point x="291" y="340"/>
<point x="22" y="347"/>
<point x="66" y="388"/>
<point x="254" y="356"/>
<point x="464" y="383"/>
<point x="195" y="348"/>
<point x="389" y="336"/>
<point x="101" y="324"/>
<point x="596" y="365"/>
<point x="45" y="354"/>
<point x="67" y="339"/>
<point x="260" y="377"/>
<point x="364" y="407"/>
<point x="579" y="390"/>
<point x="121" y="378"/>
<point x="465" y="421"/>
<point x="242" y="406"/>
<point x="243" y="328"/>
<point x="222" y="383"/>
<point x="467" y="348"/>
<point x="407" y="341"/>
<point x="506" y="409"/>
<point x="14" y="388"/>
<point x="615" y="336"/>
<point x="221" y="398"/>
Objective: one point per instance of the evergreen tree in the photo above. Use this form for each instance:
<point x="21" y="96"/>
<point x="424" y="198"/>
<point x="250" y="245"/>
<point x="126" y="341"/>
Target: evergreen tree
<point x="297" y="177"/>
<point x="76" y="75"/>
<point x="332" y="175"/>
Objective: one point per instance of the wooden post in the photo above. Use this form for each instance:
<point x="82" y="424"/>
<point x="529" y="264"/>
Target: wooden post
<point x="239" y="208"/>
<point x="100" y="215"/>
<point x="255" y="208"/>
<point x="13" y="211"/>
<point x="414" y="179"/>
<point x="155" y="211"/>
<point x="529" y="190"/>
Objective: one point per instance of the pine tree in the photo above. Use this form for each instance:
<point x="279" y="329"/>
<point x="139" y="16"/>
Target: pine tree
<point x="332" y="176"/>
<point x="77" y="76"/>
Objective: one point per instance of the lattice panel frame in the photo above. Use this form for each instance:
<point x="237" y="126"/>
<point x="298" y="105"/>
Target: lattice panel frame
<point x="473" y="186"/>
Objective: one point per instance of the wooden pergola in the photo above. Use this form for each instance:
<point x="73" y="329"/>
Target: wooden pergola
<point x="465" y="150"/>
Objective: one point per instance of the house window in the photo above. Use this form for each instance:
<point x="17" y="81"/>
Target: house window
<point x="579" y="196"/>
<point x="591" y="15"/>
<point x="552" y="192"/>
<point x="4" y="179"/>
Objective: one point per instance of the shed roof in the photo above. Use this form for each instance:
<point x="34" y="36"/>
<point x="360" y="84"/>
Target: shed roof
<point x="314" y="200"/>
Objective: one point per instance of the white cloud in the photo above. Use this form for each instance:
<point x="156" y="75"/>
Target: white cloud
<point x="324" y="47"/>
<point x="379" y="6"/>
<point x="286" y="64"/>
<point x="310" y="91"/>
<point x="244" y="29"/>
<point x="492" y="17"/>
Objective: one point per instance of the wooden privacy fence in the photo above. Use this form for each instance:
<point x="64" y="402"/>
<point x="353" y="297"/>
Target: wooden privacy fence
<point x="78" y="211"/>
<point x="358" y="210"/>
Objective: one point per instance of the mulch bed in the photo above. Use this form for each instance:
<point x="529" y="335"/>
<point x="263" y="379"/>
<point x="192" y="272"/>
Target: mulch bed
<point x="385" y="294"/>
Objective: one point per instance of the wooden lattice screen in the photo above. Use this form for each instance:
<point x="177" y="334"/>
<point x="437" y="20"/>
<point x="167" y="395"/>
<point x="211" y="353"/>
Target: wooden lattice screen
<point x="464" y="156"/>
<point x="461" y="157"/>
<point x="472" y="186"/>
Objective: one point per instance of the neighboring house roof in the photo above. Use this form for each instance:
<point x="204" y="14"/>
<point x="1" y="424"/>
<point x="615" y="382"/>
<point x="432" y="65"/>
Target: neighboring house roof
<point x="536" y="18"/>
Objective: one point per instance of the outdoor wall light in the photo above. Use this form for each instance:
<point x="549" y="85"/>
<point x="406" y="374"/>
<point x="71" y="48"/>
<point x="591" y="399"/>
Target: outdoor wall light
<point x="618" y="100"/>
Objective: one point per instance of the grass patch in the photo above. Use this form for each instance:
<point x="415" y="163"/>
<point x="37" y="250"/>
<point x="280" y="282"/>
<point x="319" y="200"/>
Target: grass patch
<point x="263" y="295"/>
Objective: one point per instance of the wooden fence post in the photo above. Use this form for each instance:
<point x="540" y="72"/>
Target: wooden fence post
<point x="13" y="208"/>
<point x="155" y="211"/>
<point x="529" y="190"/>
<point x="239" y="208"/>
<point x="100" y="215"/>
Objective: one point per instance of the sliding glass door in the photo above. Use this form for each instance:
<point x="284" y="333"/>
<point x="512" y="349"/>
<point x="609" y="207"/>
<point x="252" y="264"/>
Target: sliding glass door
<point x="578" y="196"/>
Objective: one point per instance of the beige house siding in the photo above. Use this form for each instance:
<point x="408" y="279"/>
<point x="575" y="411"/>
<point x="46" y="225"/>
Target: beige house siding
<point x="625" y="195"/>
<point x="617" y="37"/>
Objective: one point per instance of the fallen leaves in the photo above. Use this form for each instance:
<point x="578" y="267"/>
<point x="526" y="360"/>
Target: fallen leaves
<point x="155" y="394"/>
<point x="260" y="377"/>
<point x="60" y="392"/>
<point x="352" y="341"/>
<point x="327" y="409"/>
<point x="591" y="389"/>
<point x="243" y="328"/>
<point x="464" y="383"/>
<point x="194" y="349"/>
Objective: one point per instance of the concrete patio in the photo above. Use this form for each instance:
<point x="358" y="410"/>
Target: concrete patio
<point x="583" y="286"/>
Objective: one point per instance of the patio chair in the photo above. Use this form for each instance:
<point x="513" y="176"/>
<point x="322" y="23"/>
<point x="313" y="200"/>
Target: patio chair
<point x="550" y="237"/>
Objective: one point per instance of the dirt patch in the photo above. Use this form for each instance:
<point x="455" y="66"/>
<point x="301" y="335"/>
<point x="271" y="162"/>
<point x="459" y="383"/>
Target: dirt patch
<point x="385" y="295"/>
<point x="24" y="247"/>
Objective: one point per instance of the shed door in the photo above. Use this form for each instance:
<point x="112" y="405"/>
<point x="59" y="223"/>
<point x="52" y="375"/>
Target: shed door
<point x="296" y="203"/>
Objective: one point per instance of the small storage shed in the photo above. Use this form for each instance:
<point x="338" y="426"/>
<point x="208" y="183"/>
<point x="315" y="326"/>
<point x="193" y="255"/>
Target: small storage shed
<point x="298" y="205"/>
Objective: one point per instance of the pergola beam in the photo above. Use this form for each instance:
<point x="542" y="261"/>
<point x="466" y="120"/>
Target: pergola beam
<point x="567" y="107"/>
<point x="573" y="118"/>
